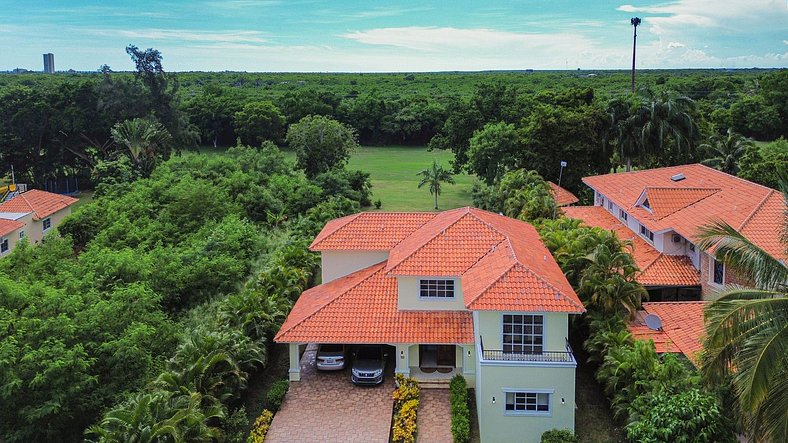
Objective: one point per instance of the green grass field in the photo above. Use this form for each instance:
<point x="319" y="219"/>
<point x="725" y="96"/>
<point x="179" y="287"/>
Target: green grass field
<point x="394" y="173"/>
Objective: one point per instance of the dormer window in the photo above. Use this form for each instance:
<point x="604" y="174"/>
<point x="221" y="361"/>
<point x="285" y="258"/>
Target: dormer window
<point x="646" y="204"/>
<point x="436" y="288"/>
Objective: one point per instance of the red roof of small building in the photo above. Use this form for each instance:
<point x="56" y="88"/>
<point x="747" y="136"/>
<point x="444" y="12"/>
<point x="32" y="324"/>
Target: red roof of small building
<point x="656" y="269"/>
<point x="9" y="226"/>
<point x="682" y="327"/>
<point x="562" y="196"/>
<point x="501" y="262"/>
<point x="41" y="203"/>
<point x="703" y="196"/>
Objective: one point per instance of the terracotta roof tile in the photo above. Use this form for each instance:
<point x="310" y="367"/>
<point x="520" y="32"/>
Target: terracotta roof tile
<point x="370" y="231"/>
<point x="657" y="269"/>
<point x="562" y="196"/>
<point x="9" y="226"/>
<point x="363" y="309"/>
<point x="42" y="203"/>
<point x="666" y="201"/>
<point x="737" y="202"/>
<point x="682" y="327"/>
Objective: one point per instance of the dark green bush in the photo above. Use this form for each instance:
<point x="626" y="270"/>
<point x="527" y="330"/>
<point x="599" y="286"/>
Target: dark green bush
<point x="558" y="436"/>
<point x="460" y="414"/>
<point x="276" y="394"/>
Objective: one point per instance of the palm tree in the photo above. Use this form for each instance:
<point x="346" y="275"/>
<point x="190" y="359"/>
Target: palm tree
<point x="634" y="21"/>
<point x="747" y="332"/>
<point x="608" y="283"/>
<point x="727" y="151"/>
<point x="434" y="176"/>
<point x="642" y="126"/>
<point x="144" y="139"/>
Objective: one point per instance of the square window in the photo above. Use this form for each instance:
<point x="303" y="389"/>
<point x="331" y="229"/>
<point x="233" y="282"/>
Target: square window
<point x="522" y="334"/>
<point x="47" y="223"/>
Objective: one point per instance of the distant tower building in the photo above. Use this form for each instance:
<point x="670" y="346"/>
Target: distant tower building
<point x="49" y="63"/>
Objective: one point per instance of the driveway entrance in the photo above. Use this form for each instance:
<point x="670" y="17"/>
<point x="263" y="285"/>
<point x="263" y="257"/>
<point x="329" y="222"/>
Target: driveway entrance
<point x="327" y="407"/>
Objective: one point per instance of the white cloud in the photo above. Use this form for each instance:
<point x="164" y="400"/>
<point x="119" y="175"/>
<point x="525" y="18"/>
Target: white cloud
<point x="184" y="35"/>
<point x="785" y="42"/>
<point x="673" y="45"/>
<point x="438" y="39"/>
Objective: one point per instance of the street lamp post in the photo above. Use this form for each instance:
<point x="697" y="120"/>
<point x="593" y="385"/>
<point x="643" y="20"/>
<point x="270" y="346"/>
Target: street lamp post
<point x="560" y="175"/>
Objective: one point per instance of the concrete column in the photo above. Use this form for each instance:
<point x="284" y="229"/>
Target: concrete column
<point x="294" y="373"/>
<point x="469" y="363"/>
<point x="403" y="359"/>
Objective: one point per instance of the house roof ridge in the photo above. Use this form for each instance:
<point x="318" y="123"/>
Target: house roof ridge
<point x="558" y="291"/>
<point x="757" y="208"/>
<point x="338" y="295"/>
<point x="349" y="218"/>
<point x="497" y="279"/>
<point x="464" y="211"/>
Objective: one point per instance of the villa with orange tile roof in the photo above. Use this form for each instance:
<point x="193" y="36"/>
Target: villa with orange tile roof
<point x="31" y="215"/>
<point x="661" y="211"/>
<point x="463" y="291"/>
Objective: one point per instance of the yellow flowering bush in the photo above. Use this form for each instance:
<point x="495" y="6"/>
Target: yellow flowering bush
<point x="261" y="426"/>
<point x="406" y="405"/>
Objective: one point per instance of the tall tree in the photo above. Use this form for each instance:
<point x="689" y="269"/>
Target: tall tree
<point x="434" y="176"/>
<point x="747" y="333"/>
<point x="726" y="151"/>
<point x="321" y="143"/>
<point x="257" y="122"/>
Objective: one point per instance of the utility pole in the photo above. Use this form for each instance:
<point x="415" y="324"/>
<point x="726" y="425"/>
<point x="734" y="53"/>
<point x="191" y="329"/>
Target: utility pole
<point x="635" y="21"/>
<point x="560" y="175"/>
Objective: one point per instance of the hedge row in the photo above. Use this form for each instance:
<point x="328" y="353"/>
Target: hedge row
<point x="460" y="413"/>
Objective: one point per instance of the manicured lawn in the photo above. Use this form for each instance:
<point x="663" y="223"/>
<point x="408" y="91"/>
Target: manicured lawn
<point x="394" y="173"/>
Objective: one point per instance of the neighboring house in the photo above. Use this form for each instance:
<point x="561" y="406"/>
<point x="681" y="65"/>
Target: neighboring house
<point x="681" y="327"/>
<point x="562" y="196"/>
<point x="463" y="291"/>
<point x="34" y="213"/>
<point x="661" y="211"/>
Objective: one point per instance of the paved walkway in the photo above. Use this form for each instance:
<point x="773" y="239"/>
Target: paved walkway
<point x="327" y="407"/>
<point x="434" y="417"/>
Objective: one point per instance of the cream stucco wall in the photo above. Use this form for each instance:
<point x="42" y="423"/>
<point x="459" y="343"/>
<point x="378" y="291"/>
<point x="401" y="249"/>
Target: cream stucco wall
<point x="335" y="264"/>
<point x="490" y="327"/>
<point x="35" y="228"/>
<point x="13" y="240"/>
<point x="408" y="296"/>
<point x="498" y="425"/>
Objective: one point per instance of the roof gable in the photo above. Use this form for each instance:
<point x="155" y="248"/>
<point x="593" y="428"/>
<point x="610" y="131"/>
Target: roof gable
<point x="562" y="196"/>
<point x="663" y="202"/>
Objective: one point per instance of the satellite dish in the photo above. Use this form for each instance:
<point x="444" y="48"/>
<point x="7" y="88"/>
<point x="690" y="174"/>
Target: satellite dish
<point x="654" y="322"/>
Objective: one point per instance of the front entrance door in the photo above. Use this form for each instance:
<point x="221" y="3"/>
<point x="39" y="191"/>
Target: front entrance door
<point x="437" y="356"/>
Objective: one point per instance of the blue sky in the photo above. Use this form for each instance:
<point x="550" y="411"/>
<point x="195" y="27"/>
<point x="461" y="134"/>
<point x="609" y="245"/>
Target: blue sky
<point x="369" y="36"/>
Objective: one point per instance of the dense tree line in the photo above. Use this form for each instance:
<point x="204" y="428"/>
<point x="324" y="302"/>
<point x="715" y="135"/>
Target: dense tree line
<point x="57" y="126"/>
<point x="97" y="313"/>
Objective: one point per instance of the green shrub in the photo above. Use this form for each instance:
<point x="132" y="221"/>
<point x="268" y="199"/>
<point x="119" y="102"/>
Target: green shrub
<point x="689" y="416"/>
<point x="276" y="394"/>
<point x="460" y="413"/>
<point x="558" y="436"/>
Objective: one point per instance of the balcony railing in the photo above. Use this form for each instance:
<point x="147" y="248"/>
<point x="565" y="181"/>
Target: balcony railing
<point x="544" y="356"/>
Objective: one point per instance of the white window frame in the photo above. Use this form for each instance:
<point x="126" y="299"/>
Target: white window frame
<point x="623" y="215"/>
<point x="21" y="234"/>
<point x="528" y="391"/>
<point x="646" y="233"/>
<point x="437" y="288"/>
<point x="4" y="243"/>
<point x="45" y="222"/>
<point x="609" y="205"/>
<point x="712" y="262"/>
<point x="522" y="345"/>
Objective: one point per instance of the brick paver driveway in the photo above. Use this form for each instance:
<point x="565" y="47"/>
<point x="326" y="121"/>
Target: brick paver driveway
<point x="327" y="407"/>
<point x="434" y="417"/>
